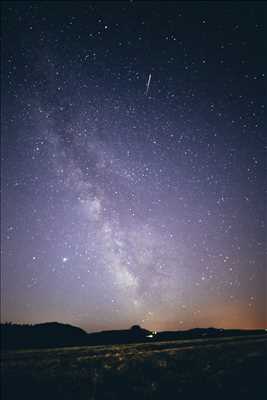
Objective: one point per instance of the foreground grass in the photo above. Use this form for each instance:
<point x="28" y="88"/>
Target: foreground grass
<point x="207" y="368"/>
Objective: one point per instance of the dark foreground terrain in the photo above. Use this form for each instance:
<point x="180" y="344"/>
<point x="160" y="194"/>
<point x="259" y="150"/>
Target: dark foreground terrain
<point x="224" y="368"/>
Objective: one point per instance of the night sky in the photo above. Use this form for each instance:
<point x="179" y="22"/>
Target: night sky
<point x="133" y="164"/>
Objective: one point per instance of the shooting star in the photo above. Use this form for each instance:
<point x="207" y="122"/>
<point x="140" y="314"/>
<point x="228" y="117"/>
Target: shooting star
<point x="148" y="84"/>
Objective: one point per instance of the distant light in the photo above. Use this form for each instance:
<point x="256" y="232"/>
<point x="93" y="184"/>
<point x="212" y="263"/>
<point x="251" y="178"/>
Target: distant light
<point x="152" y="334"/>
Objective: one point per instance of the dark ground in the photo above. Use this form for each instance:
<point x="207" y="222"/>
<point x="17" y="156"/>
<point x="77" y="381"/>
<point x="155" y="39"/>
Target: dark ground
<point x="225" y="368"/>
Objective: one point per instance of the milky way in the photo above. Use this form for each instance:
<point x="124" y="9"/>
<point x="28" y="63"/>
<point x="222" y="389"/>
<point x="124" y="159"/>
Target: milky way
<point x="124" y="205"/>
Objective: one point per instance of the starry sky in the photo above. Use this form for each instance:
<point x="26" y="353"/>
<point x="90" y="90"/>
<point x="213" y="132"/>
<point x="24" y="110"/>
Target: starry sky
<point x="133" y="164"/>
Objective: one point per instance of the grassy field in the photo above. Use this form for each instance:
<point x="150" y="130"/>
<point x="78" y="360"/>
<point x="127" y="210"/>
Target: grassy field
<point x="229" y="368"/>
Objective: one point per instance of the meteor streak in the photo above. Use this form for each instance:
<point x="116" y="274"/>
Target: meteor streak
<point x="148" y="84"/>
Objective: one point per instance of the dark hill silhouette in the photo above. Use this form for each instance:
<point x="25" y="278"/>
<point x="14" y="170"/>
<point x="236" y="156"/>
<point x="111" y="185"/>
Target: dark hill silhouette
<point x="198" y="333"/>
<point x="50" y="334"/>
<point x="54" y="334"/>
<point x="135" y="334"/>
